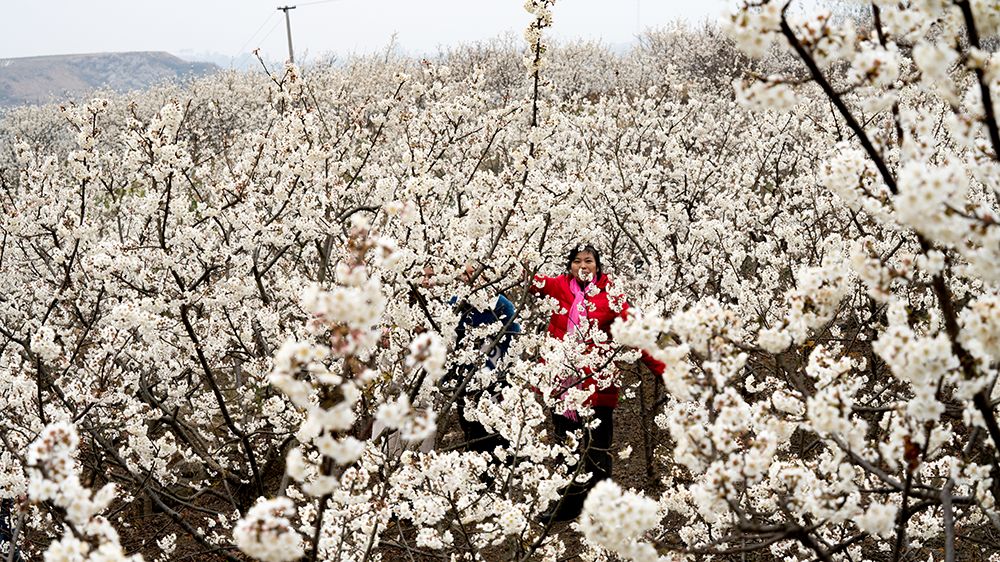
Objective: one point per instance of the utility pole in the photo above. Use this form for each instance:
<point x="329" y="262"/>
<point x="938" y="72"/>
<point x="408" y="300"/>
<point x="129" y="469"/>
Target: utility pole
<point x="288" y="30"/>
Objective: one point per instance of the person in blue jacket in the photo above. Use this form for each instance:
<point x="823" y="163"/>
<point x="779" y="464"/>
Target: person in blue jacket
<point x="495" y="346"/>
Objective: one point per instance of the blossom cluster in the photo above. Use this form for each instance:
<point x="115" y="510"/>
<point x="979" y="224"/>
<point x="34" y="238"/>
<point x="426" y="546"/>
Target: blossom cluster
<point x="54" y="477"/>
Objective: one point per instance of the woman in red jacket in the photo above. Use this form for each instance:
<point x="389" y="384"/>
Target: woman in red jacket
<point x="586" y="310"/>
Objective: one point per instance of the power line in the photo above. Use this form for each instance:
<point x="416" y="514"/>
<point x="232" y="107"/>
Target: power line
<point x="273" y="27"/>
<point x="288" y="23"/>
<point x="243" y="48"/>
<point x="318" y="2"/>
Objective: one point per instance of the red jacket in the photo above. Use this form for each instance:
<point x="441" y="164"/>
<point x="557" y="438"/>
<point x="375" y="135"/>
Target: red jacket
<point x="603" y="308"/>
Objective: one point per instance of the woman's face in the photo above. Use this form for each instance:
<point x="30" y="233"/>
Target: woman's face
<point x="583" y="267"/>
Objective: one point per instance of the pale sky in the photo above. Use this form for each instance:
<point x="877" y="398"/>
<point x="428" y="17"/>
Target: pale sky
<point x="229" y="27"/>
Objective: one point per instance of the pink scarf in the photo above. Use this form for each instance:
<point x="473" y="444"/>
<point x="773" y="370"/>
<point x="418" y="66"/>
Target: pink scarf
<point x="576" y="311"/>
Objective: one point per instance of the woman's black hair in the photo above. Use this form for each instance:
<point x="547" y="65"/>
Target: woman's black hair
<point x="576" y="250"/>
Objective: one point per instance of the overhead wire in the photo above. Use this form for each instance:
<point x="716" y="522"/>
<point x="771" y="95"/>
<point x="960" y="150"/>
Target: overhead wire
<point x="314" y="2"/>
<point x="241" y="50"/>
<point x="273" y="27"/>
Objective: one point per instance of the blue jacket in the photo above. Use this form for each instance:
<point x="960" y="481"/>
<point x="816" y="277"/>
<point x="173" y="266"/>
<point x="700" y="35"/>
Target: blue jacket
<point x="501" y="312"/>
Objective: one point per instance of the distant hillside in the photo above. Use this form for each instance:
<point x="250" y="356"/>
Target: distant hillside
<point x="45" y="79"/>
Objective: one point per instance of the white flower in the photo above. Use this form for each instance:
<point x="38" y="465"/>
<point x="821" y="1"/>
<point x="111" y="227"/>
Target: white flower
<point x="394" y="414"/>
<point x="53" y="477"/>
<point x="67" y="549"/>
<point x="773" y="340"/>
<point x="934" y="60"/>
<point x="429" y="538"/>
<point x="879" y="519"/>
<point x="981" y="328"/>
<point x="763" y="94"/>
<point x="266" y="532"/>
<point x="784" y="401"/>
<point x="167" y="544"/>
<point x="343" y="451"/>
<point x="616" y="520"/>
<point x="43" y="343"/>
<point x="429" y="352"/>
<point x="511" y="520"/>
<point x="876" y="65"/>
